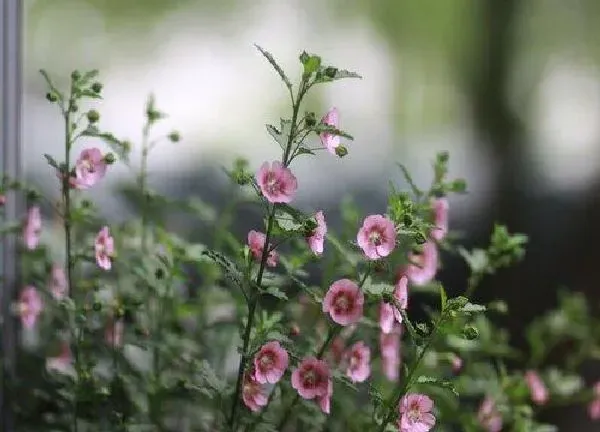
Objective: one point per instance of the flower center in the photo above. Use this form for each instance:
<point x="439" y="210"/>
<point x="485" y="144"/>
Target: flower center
<point x="310" y="378"/>
<point x="414" y="413"/>
<point x="266" y="360"/>
<point x="342" y="303"/>
<point x="375" y="238"/>
<point x="273" y="185"/>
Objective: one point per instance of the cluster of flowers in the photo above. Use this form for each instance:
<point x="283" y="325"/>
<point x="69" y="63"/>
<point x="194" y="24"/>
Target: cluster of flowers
<point x="90" y="168"/>
<point x="344" y="302"/>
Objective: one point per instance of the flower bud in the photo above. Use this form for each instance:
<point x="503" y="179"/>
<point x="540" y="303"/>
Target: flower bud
<point x="73" y="107"/>
<point x="75" y="75"/>
<point x="97" y="306"/>
<point x="174" y="136"/>
<point x="341" y="151"/>
<point x="310" y="120"/>
<point x="97" y="87"/>
<point x="294" y="330"/>
<point x="470" y="332"/>
<point x="93" y="116"/>
<point x="109" y="158"/>
<point x="159" y="273"/>
<point x="420" y="238"/>
<point x="51" y="97"/>
<point x="443" y="156"/>
<point x="2" y="200"/>
<point x="407" y="220"/>
<point x="126" y="146"/>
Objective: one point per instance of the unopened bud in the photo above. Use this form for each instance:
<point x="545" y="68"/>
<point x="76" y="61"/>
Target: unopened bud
<point x="341" y="151"/>
<point x="97" y="87"/>
<point x="126" y="146"/>
<point x="470" y="332"/>
<point x="51" y="97"/>
<point x="174" y="136"/>
<point x="109" y="158"/>
<point x="75" y="75"/>
<point x="93" y="116"/>
<point x="310" y="119"/>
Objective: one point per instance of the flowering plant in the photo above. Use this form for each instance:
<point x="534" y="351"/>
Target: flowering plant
<point x="131" y="327"/>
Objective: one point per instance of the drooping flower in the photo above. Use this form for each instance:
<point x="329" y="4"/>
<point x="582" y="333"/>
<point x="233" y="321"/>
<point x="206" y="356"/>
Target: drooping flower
<point x="489" y="417"/>
<point x="90" y="168"/>
<point x="537" y="388"/>
<point x="390" y="352"/>
<point x="30" y="306"/>
<point x="316" y="239"/>
<point x="62" y="361"/>
<point x="256" y="243"/>
<point x="270" y="363"/>
<point x="344" y="302"/>
<point x="105" y="248"/>
<point x="254" y="394"/>
<point x="594" y="405"/>
<point x="389" y="313"/>
<point x="331" y="141"/>
<point x="359" y="362"/>
<point x="415" y="411"/>
<point x="324" y="402"/>
<point x="276" y="182"/>
<point x="32" y="228"/>
<point x="377" y="237"/>
<point x="423" y="266"/>
<point x="58" y="282"/>
<point x="311" y="378"/>
<point x="113" y="333"/>
<point x="440" y="218"/>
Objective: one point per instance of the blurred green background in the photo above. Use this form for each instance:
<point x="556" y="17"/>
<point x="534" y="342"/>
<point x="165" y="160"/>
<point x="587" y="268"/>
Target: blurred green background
<point x="510" y="87"/>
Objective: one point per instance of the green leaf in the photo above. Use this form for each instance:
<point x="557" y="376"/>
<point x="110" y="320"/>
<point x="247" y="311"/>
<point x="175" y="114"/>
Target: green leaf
<point x="477" y="259"/>
<point x="112" y="141"/>
<point x="304" y="150"/>
<point x="377" y="289"/>
<point x="287" y="223"/>
<point x="443" y="298"/>
<point x="278" y="68"/>
<point x="325" y="75"/>
<point x="471" y="308"/>
<point x="51" y="161"/>
<point x="281" y="135"/>
<point x="231" y="270"/>
<point x="275" y="292"/>
<point x="427" y="380"/>
<point x="51" y="85"/>
<point x="311" y="63"/>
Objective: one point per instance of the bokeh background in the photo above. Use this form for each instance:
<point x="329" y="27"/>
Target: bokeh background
<point x="511" y="88"/>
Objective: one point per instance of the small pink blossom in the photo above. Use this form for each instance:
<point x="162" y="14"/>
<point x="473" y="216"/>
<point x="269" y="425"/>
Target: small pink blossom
<point x="256" y="243"/>
<point x="537" y="388"/>
<point x="416" y="416"/>
<point x="270" y="363"/>
<point x="331" y="141"/>
<point x="377" y="237"/>
<point x="105" y="248"/>
<point x="390" y="353"/>
<point x="90" y="168"/>
<point x="457" y="363"/>
<point x="488" y="416"/>
<point x="344" y="302"/>
<point x="30" y="306"/>
<point x="324" y="402"/>
<point x="359" y="362"/>
<point x="32" y="228"/>
<point x="58" y="282"/>
<point x="389" y="313"/>
<point x="254" y="394"/>
<point x="113" y="333"/>
<point x="276" y="182"/>
<point x="423" y="267"/>
<point x="2" y="199"/>
<point x="594" y="406"/>
<point x="316" y="239"/>
<point x="311" y="378"/>
<point x="440" y="218"/>
<point x="61" y="362"/>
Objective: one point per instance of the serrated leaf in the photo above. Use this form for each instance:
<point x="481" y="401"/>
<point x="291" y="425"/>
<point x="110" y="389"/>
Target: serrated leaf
<point x="427" y="380"/>
<point x="275" y="292"/>
<point x="231" y="270"/>
<point x="471" y="308"/>
<point x="339" y="74"/>
<point x="51" y="161"/>
<point x="278" y="68"/>
<point x="287" y="223"/>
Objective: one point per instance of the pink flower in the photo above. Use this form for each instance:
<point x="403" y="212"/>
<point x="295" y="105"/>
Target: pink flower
<point x="457" y="363"/>
<point x="594" y="406"/>
<point x="113" y="333"/>
<point x="537" y="388"/>
<point x="2" y="200"/>
<point x="488" y="416"/>
<point x="440" y="218"/>
<point x="415" y="410"/>
<point x="377" y="237"/>
<point x="390" y="353"/>
<point x="344" y="302"/>
<point x="256" y="243"/>
<point x="311" y="378"/>
<point x="316" y="239"/>
<point x="254" y="394"/>
<point x="90" y="168"/>
<point x="104" y="249"/>
<point x="389" y="313"/>
<point x="58" y="282"/>
<point x="33" y="227"/>
<point x="276" y="182"/>
<point x="359" y="362"/>
<point x="30" y="306"/>
<point x="325" y="401"/>
<point x="61" y="362"/>
<point x="270" y="363"/>
<point x="331" y="141"/>
<point x="423" y="266"/>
